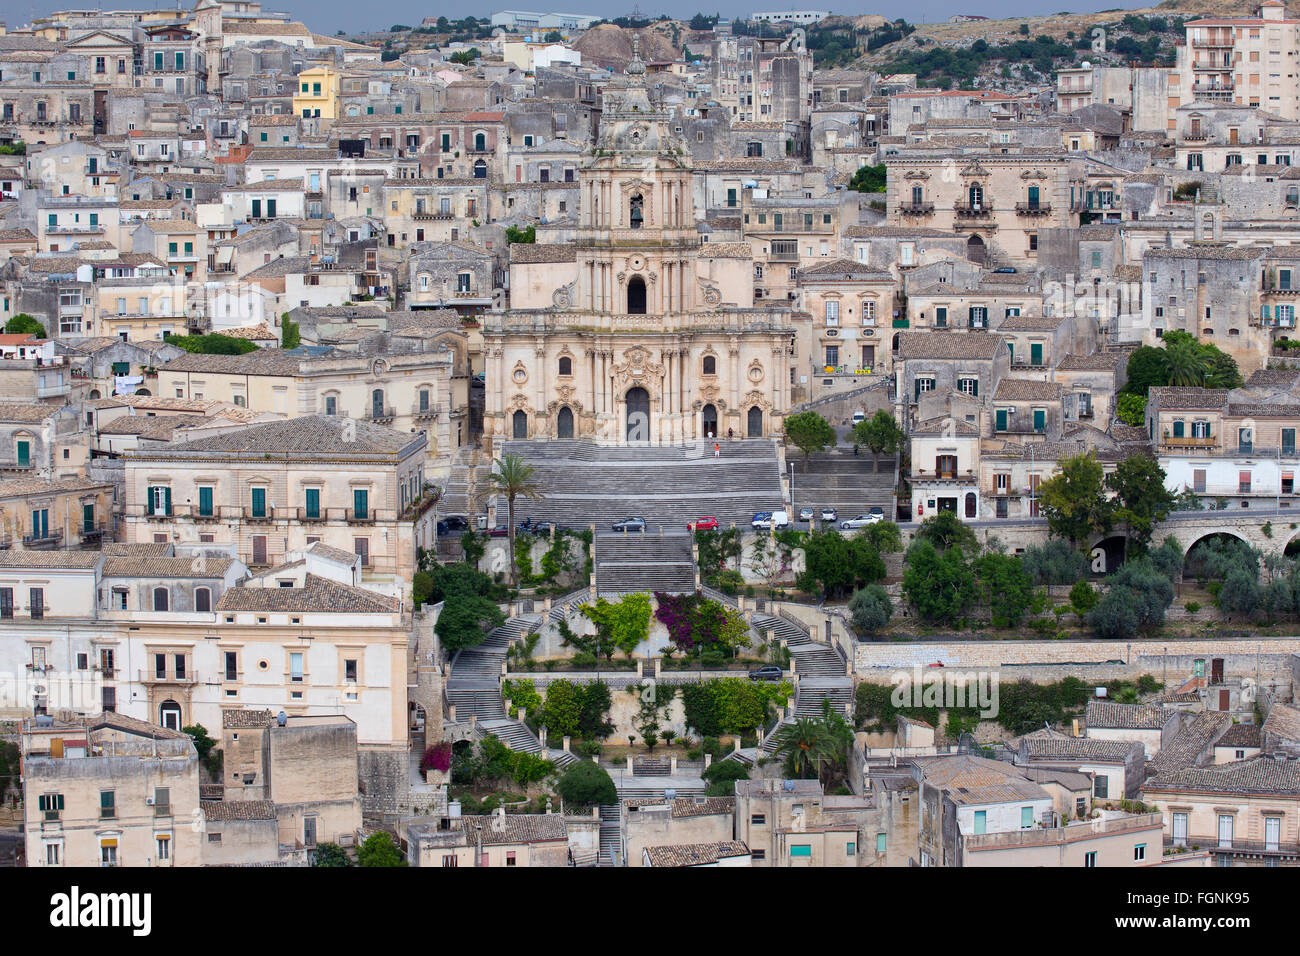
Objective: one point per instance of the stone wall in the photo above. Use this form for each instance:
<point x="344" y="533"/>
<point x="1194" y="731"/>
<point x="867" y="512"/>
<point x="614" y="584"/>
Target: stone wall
<point x="385" y="776"/>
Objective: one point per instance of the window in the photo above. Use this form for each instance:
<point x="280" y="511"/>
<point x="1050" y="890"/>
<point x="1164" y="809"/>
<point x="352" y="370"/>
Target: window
<point x="710" y="365"/>
<point x="758" y="819"/>
<point x="360" y="504"/>
<point x="801" y="850"/>
<point x="981" y="821"/>
<point x="295" y="667"/>
<point x="202" y="599"/>
<point x="880" y="842"/>
<point x="160" y="599"/>
<point x="832" y="312"/>
<point x="1090" y="859"/>
<point x="350" y="670"/>
<point x="107" y="804"/>
<point x="231" y="665"/>
<point x="1026" y="817"/>
<point x="361" y="548"/>
<point x="52" y="854"/>
<point x="50" y="804"/>
<point x="1101" y="787"/>
<point x="969" y="386"/>
<point x="205" y="502"/>
<point x="36" y="603"/>
<point x="1139" y="853"/>
<point x="941" y="317"/>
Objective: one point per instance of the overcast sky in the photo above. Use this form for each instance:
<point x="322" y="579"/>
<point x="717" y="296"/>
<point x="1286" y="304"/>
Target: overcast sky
<point x="327" y="16"/>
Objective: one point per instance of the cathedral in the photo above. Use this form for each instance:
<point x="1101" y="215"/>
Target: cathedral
<point x="635" y="332"/>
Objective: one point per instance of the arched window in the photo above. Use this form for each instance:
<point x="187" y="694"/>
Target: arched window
<point x="480" y="170"/>
<point x="160" y="599"/>
<point x="169" y="715"/>
<point x="564" y="423"/>
<point x="566" y="365"/>
<point x="520" y="424"/>
<point x="202" y="599"/>
<point x="754" y="422"/>
<point x="710" y="365"/>
<point x="970" y="504"/>
<point x="377" y="403"/>
<point x="635" y="214"/>
<point x="636" y="296"/>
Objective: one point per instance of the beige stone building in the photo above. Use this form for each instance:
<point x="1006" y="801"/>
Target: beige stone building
<point x="109" y="791"/>
<point x="260" y="492"/>
<point x="628" y="336"/>
<point x="39" y="513"/>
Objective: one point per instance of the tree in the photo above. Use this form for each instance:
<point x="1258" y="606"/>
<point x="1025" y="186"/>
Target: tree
<point x="1141" y="498"/>
<point x="586" y="783"/>
<point x="1240" y="594"/>
<point x="213" y="343"/>
<point x="703" y="22"/>
<point x="879" y="433"/>
<point x="469" y="599"/>
<point x="380" y="850"/>
<point x="1074" y="501"/>
<point x="555" y="36"/>
<point x="1006" y="587"/>
<point x="1083" y="598"/>
<point x="945" y="530"/>
<point x="514" y="234"/>
<point x="869" y="179"/>
<point x="837" y="564"/>
<point x="203" y="744"/>
<point x="24" y="324"/>
<point x="809" y="432"/>
<point x="1147" y="366"/>
<point x="939" y="585"/>
<point x="803" y="745"/>
<point x="465" y="57"/>
<point x="1114" y="619"/>
<point x="1186" y="367"/>
<point x="330" y="854"/>
<point x="290" y="337"/>
<point x="1055" y="562"/>
<point x="722" y="776"/>
<point x="514" y="478"/>
<point x="1132" y="409"/>
<point x="870" y="609"/>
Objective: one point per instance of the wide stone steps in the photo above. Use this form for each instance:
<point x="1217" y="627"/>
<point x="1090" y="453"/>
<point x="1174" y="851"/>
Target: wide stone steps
<point x="644" y="562"/>
<point x="851" y="485"/>
<point x="640" y="790"/>
<point x="586" y="484"/>
<point x="611" y="836"/>
<point x="651" y="768"/>
<point x="513" y="734"/>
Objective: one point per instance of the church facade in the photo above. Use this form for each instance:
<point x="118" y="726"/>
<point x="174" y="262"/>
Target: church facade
<point x="635" y="333"/>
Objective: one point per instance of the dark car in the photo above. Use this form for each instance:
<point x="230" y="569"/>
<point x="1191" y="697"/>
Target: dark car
<point x="537" y="527"/>
<point x="630" y="524"/>
<point x="456" y="522"/>
<point x="1005" y="271"/>
<point x="500" y="531"/>
<point x="766" y="672"/>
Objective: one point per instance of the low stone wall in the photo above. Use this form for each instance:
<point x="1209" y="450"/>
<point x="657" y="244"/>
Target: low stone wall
<point x="1053" y="660"/>
<point x="385" y="776"/>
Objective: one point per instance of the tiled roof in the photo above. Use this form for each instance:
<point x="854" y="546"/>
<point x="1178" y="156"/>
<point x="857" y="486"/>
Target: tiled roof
<point x="1283" y="721"/>
<point x="1114" y="716"/>
<point x="694" y="854"/>
<point x="1241" y="735"/>
<point x="1191" y="742"/>
<point x="949" y="345"/>
<point x="261" y="362"/>
<point x="26" y="412"/>
<point x="1060" y="747"/>
<point x="1027" y="390"/>
<point x="1097" y="362"/>
<point x="22" y="487"/>
<point x="319" y="434"/>
<point x="968" y="779"/>
<point x="330" y="553"/>
<point x="1175" y="396"/>
<point x="221" y="811"/>
<point x="245" y="719"/>
<point x="1234" y="253"/>
<point x="496" y="830"/>
<point x="155" y="549"/>
<point x="1029" y="323"/>
<point x="146" y="567"/>
<point x="316" y="595"/>
<point x="1272" y="775"/>
<point x="726" y="250"/>
<point x="61" y="560"/>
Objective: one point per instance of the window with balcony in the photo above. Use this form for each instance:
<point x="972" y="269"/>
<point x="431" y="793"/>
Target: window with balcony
<point x="258" y="502"/>
<point x="311" y="503"/>
<point x="295" y="667"/>
<point x="360" y="503"/>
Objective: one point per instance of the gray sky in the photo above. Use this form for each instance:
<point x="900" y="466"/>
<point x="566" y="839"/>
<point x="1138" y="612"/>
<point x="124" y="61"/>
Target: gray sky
<point x="331" y="15"/>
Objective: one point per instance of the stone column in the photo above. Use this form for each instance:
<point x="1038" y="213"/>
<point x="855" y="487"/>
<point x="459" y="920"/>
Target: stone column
<point x="629" y="764"/>
<point x="708" y="759"/>
<point x="565" y="743"/>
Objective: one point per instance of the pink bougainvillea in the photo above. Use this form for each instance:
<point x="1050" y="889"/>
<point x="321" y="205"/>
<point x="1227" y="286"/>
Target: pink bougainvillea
<point x="437" y="757"/>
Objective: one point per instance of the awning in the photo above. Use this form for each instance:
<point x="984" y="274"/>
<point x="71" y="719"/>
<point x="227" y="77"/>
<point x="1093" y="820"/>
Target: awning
<point x="225" y="254"/>
<point x="108" y="842"/>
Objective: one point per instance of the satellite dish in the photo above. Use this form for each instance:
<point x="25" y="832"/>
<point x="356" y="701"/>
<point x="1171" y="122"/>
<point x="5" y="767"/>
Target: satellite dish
<point x="281" y="718"/>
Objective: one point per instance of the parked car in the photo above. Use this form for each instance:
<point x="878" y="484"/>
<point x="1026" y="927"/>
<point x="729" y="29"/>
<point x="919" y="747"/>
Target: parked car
<point x="764" y="520"/>
<point x="830" y="515"/>
<point x="703" y="524"/>
<point x="805" y="514"/>
<point x="1004" y="270"/>
<point x="861" y="521"/>
<point x="859" y="417"/>
<point x="537" y="527"/>
<point x="630" y="524"/>
<point x="878" y="511"/>
<point x="454" y="523"/>
<point x="500" y="531"/>
<point x="766" y="672"/>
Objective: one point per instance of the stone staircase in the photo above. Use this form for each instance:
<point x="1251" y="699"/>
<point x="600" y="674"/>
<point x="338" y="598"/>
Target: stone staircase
<point x="467" y="480"/>
<point x="823" y="675"/>
<point x="650" y="767"/>
<point x="851" y="484"/>
<point x="644" y="562"/>
<point x="611" y="834"/>
<point x="668" y="485"/>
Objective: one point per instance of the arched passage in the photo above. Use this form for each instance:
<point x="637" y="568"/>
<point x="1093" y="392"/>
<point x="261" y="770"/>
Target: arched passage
<point x="975" y="250"/>
<point x="636" y="296"/>
<point x="638" y="414"/>
<point x="169" y="715"/>
<point x="754" y="424"/>
<point x="1106" y="555"/>
<point x="1204" y="559"/>
<point x="709" y="419"/>
<point x="520" y="424"/>
<point x="564" y="423"/>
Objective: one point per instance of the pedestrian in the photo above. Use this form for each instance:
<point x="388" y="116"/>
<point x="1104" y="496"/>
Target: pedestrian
<point x="717" y="450"/>
<point x="730" y="434"/>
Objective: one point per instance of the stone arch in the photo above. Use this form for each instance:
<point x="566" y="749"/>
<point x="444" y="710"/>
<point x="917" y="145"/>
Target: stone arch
<point x="564" y="422"/>
<point x="519" y="424"/>
<point x="636" y="296"/>
<point x="1199" y="536"/>
<point x="975" y="249"/>
<point x="637" y="401"/>
<point x="1107" y="554"/>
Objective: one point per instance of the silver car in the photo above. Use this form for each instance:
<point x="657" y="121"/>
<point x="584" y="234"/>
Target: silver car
<point x="861" y="521"/>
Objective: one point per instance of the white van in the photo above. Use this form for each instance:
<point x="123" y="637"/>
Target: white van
<point x="859" y="417"/>
<point x="780" y="520"/>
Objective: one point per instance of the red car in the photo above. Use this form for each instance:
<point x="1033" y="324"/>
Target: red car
<point x="703" y="524"/>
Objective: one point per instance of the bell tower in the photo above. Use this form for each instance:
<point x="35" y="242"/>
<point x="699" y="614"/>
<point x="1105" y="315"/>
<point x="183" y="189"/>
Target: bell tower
<point x="636" y="238"/>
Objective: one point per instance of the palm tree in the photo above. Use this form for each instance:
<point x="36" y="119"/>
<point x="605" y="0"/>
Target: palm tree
<point x="805" y="745"/>
<point x="1186" y="367"/>
<point x="514" y="478"/>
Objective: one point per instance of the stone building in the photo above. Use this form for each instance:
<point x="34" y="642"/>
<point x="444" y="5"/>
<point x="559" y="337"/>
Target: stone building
<point x="627" y="335"/>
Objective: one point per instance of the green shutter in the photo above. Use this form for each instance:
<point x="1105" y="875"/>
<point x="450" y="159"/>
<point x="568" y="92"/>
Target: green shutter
<point x="24" y="454"/>
<point x="313" y="502"/>
<point x="975" y="386"/>
<point x="205" y="502"/>
<point x="259" y="502"/>
<point x="1179" y="429"/>
<point x="1040" y="419"/>
<point x="360" y="503"/>
<point x="1036" y="353"/>
<point x="916" y="389"/>
<point x="1001" y="420"/>
<point x="167" y="500"/>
